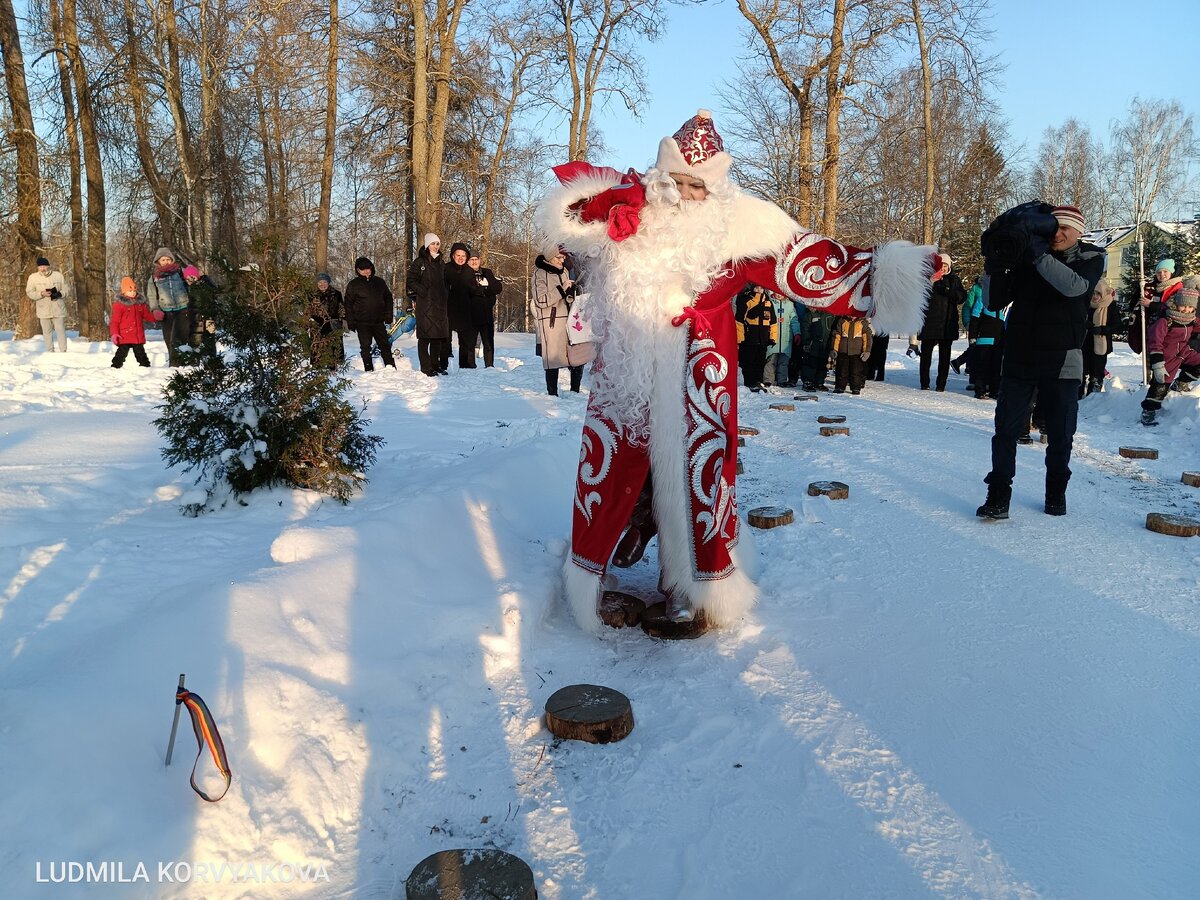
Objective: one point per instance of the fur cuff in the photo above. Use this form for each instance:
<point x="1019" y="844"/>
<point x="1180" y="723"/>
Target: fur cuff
<point x="900" y="273"/>
<point x="582" y="589"/>
<point x="561" y="225"/>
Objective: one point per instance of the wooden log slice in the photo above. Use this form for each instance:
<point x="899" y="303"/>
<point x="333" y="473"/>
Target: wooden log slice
<point x="656" y="624"/>
<point x="1043" y="438"/>
<point x="620" y="610"/>
<point x="1138" y="452"/>
<point x="785" y="407"/>
<point x="770" y="516"/>
<point x="741" y="441"/>
<point x="589" y="712"/>
<point x="470" y="875"/>
<point x="831" y="420"/>
<point x="830" y="430"/>
<point x="741" y="470"/>
<point x="1180" y="526"/>
<point x="834" y="490"/>
<point x="806" y="397"/>
<point x="1192" y="479"/>
<point x="747" y="429"/>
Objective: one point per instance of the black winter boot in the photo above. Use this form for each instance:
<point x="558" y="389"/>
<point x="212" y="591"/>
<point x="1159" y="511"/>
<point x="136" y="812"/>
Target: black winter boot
<point x="996" y="504"/>
<point x="642" y="527"/>
<point x="1056" y="495"/>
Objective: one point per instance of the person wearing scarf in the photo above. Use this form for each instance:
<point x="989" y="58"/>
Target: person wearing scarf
<point x="1167" y="341"/>
<point x="1098" y="344"/>
<point x="167" y="292"/>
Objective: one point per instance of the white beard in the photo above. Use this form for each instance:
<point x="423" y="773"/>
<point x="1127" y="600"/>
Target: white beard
<point x="639" y="285"/>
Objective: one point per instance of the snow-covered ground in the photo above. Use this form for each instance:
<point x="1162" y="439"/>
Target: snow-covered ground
<point x="922" y="704"/>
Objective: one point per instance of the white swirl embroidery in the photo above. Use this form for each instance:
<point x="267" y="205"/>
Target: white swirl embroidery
<point x="708" y="406"/>
<point x="592" y="474"/>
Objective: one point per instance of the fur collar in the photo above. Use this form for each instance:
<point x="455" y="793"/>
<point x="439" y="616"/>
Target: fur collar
<point x="541" y="263"/>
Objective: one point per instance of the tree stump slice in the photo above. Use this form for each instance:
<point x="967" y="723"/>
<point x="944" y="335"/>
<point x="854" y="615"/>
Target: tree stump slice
<point x="471" y="875"/>
<point x="589" y="712"/>
<point x="784" y="407"/>
<point x="806" y="397"/>
<point x="831" y="420"/>
<point x="620" y="610"/>
<point x="834" y="490"/>
<point x="741" y="441"/>
<point x="830" y="430"/>
<point x="1138" y="452"/>
<point x="770" y="516"/>
<point x="1043" y="438"/>
<point x="747" y="429"/>
<point x="741" y="470"/>
<point x="1180" y="526"/>
<point x="1192" y="479"/>
<point x="656" y="624"/>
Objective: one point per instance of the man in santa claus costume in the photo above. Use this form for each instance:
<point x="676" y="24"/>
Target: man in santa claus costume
<point x="665" y="254"/>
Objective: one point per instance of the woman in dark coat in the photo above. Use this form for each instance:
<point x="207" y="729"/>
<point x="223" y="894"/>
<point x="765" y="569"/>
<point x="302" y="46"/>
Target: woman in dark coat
<point x="427" y="293"/>
<point x="326" y="312"/>
<point x="460" y="285"/>
<point x="941" y="323"/>
<point x="483" y="308"/>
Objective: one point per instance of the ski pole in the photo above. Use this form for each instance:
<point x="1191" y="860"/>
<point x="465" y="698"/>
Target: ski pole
<point x="174" y="724"/>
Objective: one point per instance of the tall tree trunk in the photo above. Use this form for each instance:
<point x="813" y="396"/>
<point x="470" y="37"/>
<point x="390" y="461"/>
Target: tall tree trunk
<point x="71" y="129"/>
<point x="283" y="226"/>
<point x="331" y="98"/>
<point x="424" y="206"/>
<point x="808" y="210"/>
<point x="173" y="84"/>
<point x="833" y="109"/>
<point x="264" y="137"/>
<point x="29" y="179"/>
<point x="141" y="130"/>
<point x="927" y="110"/>
<point x="91" y="313"/>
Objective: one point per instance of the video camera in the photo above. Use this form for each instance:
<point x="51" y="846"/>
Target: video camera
<point x="1017" y="237"/>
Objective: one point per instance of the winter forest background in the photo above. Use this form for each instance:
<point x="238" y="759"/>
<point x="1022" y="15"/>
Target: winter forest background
<point x="303" y="134"/>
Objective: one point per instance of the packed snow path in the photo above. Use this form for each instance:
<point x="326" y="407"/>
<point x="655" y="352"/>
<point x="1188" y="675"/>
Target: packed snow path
<point x="923" y="704"/>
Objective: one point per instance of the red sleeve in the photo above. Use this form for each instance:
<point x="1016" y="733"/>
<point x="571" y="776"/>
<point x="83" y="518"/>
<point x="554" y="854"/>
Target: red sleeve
<point x="819" y="272"/>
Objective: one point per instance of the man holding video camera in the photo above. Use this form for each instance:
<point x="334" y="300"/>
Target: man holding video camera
<point x="1035" y="260"/>
<point x="47" y="289"/>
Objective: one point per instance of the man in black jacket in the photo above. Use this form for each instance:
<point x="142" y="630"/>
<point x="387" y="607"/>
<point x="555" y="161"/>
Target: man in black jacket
<point x="1043" y="352"/>
<point x="483" y="308"/>
<point x="369" y="306"/>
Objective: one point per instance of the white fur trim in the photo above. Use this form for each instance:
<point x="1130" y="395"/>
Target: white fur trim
<point x="724" y="600"/>
<point x="757" y="229"/>
<point x="715" y="168"/>
<point x="560" y="225"/>
<point x="900" y="273"/>
<point x="582" y="590"/>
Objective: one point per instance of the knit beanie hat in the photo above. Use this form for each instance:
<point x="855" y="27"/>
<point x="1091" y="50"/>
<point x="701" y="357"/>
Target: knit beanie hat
<point x="696" y="149"/>
<point x="431" y="238"/>
<point x="1182" y="305"/>
<point x="946" y="262"/>
<point x="127" y="285"/>
<point x="363" y="263"/>
<point x="42" y="261"/>
<point x="1168" y="264"/>
<point x="191" y="272"/>
<point x="1069" y="217"/>
<point x="163" y="251"/>
<point x="324" y="276"/>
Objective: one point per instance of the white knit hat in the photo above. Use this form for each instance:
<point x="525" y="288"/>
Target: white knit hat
<point x="431" y="238"/>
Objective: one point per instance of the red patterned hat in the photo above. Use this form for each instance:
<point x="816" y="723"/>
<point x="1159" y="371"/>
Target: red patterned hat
<point x="695" y="149"/>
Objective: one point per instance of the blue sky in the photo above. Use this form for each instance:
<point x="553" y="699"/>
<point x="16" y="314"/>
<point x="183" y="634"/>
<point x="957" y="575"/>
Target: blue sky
<point x="1061" y="58"/>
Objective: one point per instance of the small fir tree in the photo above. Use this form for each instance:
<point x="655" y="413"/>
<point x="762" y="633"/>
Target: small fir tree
<point x="263" y="415"/>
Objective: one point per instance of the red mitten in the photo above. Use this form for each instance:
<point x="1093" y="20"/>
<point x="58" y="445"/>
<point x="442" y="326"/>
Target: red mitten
<point x="159" y="315"/>
<point x="116" y="339"/>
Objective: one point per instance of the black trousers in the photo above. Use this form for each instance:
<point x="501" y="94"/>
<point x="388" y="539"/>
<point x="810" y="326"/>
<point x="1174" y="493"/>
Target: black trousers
<point x="1094" y="363"/>
<point x="878" y="361"/>
<point x="467" y="336"/>
<point x="552" y="380"/>
<point x="483" y="321"/>
<point x="433" y="354"/>
<point x="753" y="359"/>
<point x="176" y="331"/>
<point x="139" y="353"/>
<point x="985" y="369"/>
<point x="377" y="332"/>
<point x="943" y="349"/>
<point x="849" y="369"/>
<point x="1058" y="406"/>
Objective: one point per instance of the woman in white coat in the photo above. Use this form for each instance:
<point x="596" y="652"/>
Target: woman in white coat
<point x="553" y="295"/>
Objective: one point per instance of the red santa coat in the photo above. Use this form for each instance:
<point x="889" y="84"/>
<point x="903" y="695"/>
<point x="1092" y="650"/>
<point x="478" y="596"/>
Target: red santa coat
<point x="692" y="441"/>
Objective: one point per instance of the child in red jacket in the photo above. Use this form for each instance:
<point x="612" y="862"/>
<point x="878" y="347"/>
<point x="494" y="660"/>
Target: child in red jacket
<point x="129" y="311"/>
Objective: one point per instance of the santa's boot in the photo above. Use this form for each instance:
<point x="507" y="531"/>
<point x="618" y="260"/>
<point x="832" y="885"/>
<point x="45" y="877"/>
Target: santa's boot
<point x="642" y="527"/>
<point x="996" y="504"/>
<point x="1148" y="417"/>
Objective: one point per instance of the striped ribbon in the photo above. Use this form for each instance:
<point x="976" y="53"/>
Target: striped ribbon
<point x="206" y="733"/>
